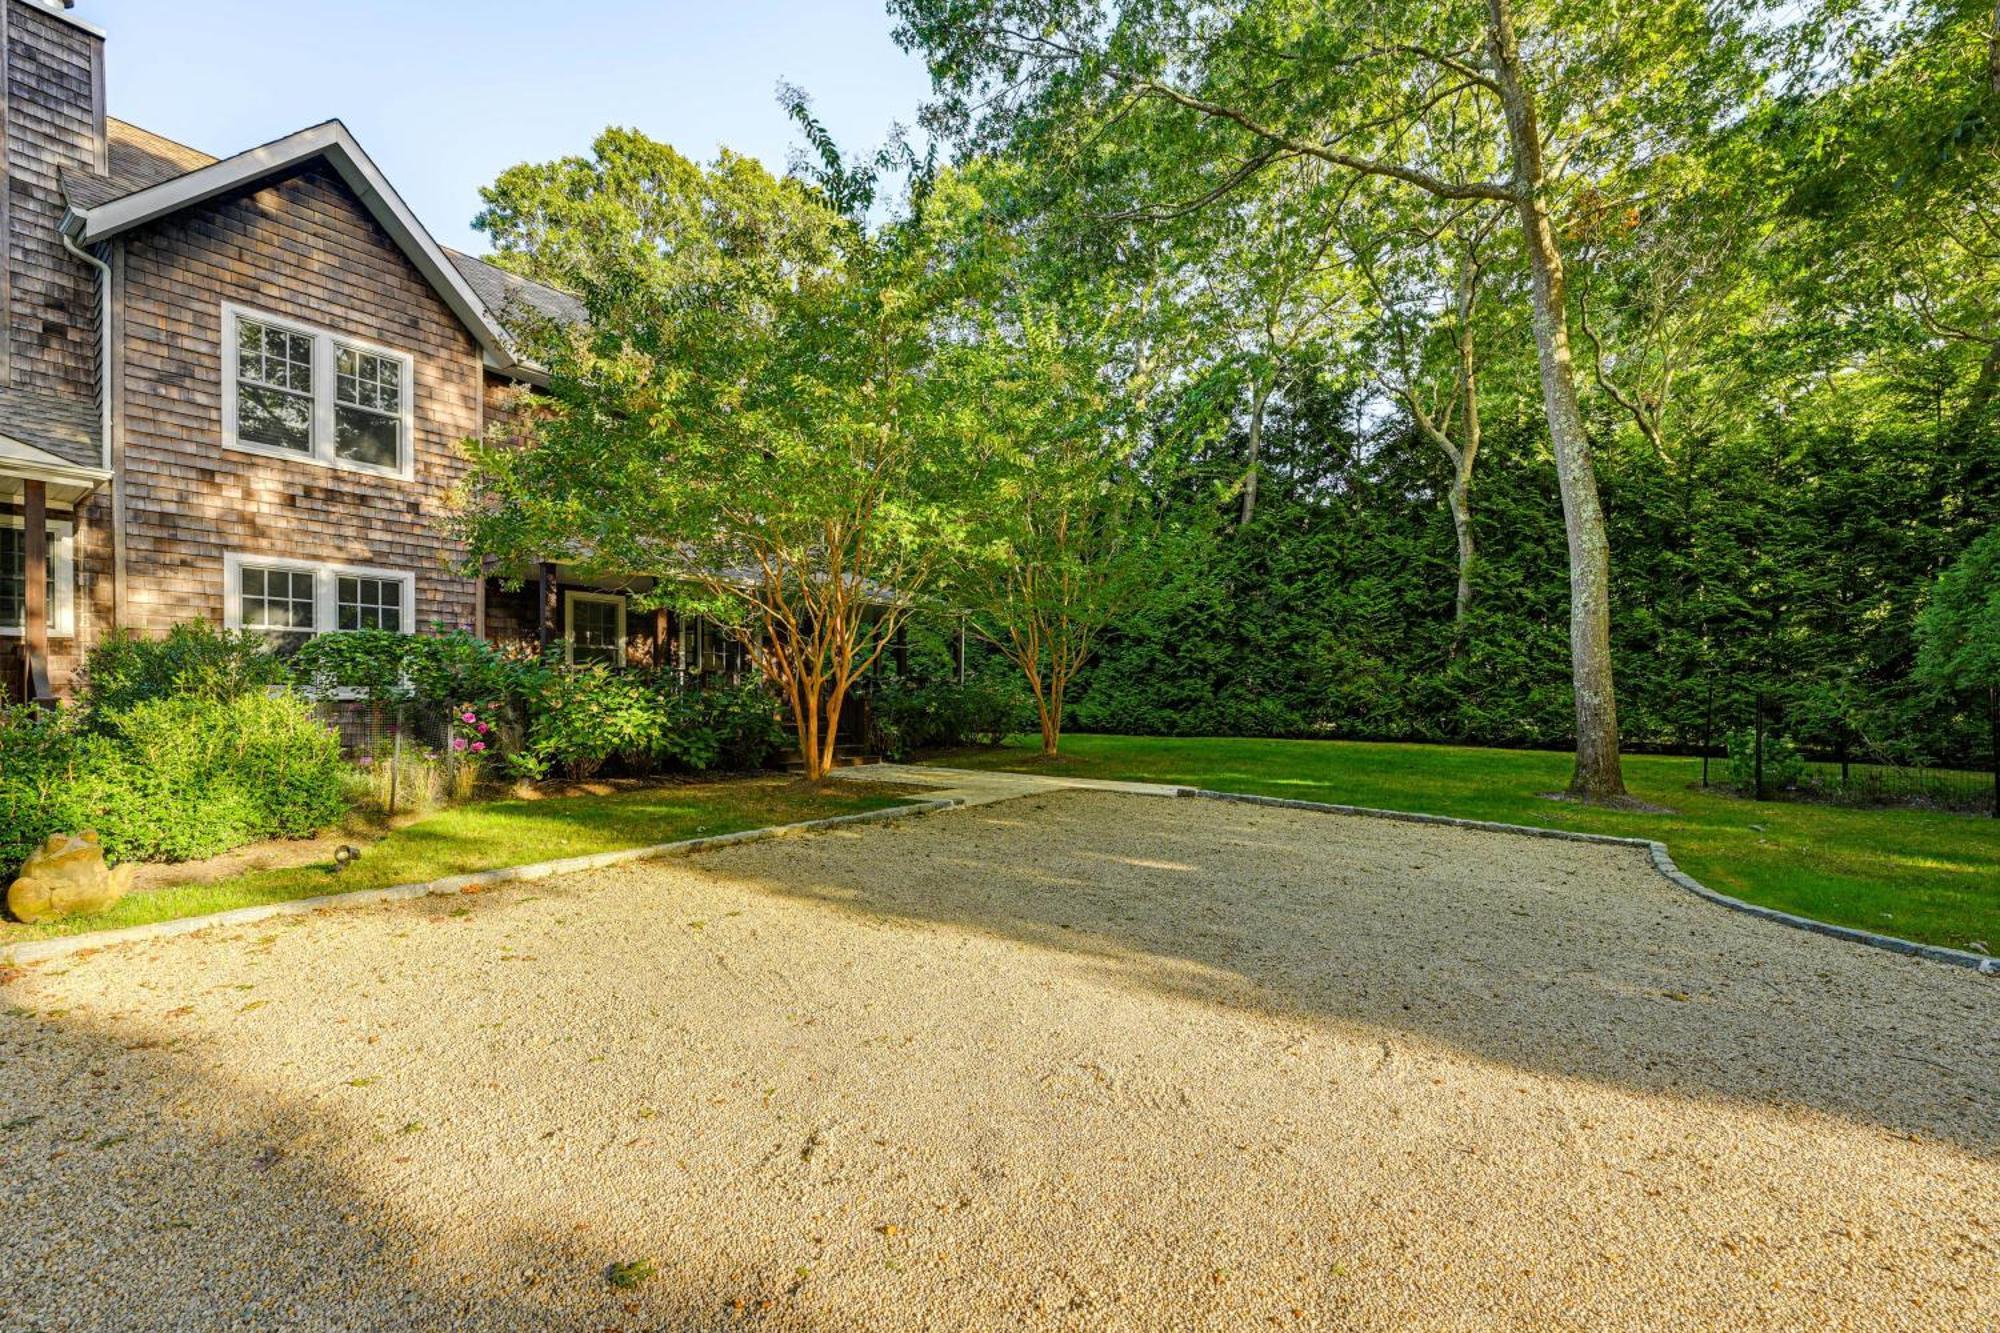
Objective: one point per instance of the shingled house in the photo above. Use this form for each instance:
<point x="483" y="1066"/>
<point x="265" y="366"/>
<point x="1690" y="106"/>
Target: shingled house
<point x="235" y="388"/>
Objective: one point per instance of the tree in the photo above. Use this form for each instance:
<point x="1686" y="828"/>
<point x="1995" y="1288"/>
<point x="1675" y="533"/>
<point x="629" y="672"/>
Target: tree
<point x="1063" y="542"/>
<point x="1359" y="82"/>
<point x="748" y="416"/>
<point x="1960" y="635"/>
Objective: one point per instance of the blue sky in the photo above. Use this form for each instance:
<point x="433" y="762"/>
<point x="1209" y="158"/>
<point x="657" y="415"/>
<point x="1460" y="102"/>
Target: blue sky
<point x="444" y="94"/>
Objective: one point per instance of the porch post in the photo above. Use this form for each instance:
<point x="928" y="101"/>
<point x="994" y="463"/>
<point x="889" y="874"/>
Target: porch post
<point x="663" y="625"/>
<point x="902" y="650"/>
<point x="548" y="612"/>
<point x="35" y="623"/>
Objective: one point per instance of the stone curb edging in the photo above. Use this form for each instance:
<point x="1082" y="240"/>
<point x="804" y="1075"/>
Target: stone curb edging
<point x="1661" y="860"/>
<point x="36" y="951"/>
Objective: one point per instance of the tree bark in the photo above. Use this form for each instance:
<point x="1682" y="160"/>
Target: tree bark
<point x="1598" y="774"/>
<point x="1259" y="397"/>
<point x="1993" y="54"/>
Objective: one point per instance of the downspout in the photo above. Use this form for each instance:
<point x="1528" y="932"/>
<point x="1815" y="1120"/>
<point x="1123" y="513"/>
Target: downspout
<point x="108" y="418"/>
<point x="103" y="337"/>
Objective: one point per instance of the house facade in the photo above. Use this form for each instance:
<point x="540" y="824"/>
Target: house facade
<point x="237" y="389"/>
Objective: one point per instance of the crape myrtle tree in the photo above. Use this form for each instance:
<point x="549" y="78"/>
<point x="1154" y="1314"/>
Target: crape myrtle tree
<point x="748" y="415"/>
<point x="1066" y="537"/>
<point x="1256" y="86"/>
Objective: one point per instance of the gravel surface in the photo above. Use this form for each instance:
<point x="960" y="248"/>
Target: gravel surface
<point x="1069" y="1061"/>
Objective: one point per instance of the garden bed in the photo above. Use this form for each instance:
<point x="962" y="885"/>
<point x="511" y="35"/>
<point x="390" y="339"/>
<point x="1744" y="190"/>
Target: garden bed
<point x="483" y="835"/>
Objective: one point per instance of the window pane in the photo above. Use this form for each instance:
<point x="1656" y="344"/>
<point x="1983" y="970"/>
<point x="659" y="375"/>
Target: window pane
<point x="365" y="603"/>
<point x="14" y="578"/>
<point x="279" y="602"/>
<point x="274" y="418"/>
<point x="363" y="437"/>
<point x="594" y="632"/>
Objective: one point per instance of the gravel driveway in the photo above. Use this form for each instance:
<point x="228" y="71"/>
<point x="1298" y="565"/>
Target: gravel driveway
<point x="1072" y="1061"/>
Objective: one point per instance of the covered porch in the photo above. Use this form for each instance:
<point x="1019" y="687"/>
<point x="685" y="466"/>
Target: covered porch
<point x="39" y="497"/>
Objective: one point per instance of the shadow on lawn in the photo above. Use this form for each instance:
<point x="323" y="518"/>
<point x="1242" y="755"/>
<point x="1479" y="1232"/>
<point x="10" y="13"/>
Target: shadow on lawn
<point x="143" y="1190"/>
<point x="1506" y="948"/>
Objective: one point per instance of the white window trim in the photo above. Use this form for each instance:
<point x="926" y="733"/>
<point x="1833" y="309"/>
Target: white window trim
<point x="326" y="588"/>
<point x="62" y="545"/>
<point x="326" y="345"/>
<point x="570" y="598"/>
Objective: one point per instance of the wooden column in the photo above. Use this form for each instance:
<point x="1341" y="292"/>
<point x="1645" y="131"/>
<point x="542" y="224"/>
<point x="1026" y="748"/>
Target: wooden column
<point x="35" y="623"/>
<point x="549" y="617"/>
<point x="663" y="627"/>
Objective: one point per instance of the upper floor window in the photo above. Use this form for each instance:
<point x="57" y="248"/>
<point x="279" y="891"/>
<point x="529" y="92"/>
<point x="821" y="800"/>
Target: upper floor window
<point x="300" y="392"/>
<point x="14" y="578"/>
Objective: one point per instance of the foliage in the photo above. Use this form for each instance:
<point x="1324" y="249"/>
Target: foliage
<point x="1960" y="629"/>
<point x="1784" y="766"/>
<point x="749" y="416"/>
<point x="581" y="717"/>
<point x="937" y="715"/>
<point x="437" y="669"/>
<point x="194" y="658"/>
<point x="169" y="779"/>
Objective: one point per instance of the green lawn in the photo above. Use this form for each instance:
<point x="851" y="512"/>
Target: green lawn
<point x="489" y="835"/>
<point x="1923" y="876"/>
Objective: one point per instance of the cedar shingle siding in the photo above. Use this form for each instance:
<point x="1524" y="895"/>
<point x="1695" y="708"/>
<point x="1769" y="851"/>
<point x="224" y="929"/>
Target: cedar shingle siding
<point x="52" y="125"/>
<point x="304" y="248"/>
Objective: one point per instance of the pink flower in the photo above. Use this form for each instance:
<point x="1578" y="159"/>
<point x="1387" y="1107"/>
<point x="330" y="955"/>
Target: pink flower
<point x="477" y="746"/>
<point x="483" y="728"/>
<point x="366" y="761"/>
<point x="458" y="742"/>
<point x="471" y="717"/>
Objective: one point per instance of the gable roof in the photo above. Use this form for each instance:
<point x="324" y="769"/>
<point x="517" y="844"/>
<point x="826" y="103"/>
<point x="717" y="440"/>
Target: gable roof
<point x="152" y="177"/>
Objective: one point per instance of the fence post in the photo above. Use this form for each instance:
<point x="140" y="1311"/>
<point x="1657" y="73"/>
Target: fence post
<point x="1757" y="763"/>
<point x="396" y="761"/>
<point x="1708" y="730"/>
<point x="1993" y="721"/>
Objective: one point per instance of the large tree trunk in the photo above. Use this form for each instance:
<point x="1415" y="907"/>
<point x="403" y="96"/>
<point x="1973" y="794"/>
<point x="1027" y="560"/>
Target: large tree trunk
<point x="1598" y="774"/>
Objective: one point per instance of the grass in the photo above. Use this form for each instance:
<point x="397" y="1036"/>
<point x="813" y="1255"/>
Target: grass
<point x="1921" y="875"/>
<point x="487" y="835"/>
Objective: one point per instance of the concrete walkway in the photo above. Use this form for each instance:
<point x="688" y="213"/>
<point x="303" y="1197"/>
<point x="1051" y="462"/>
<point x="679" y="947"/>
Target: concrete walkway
<point x="971" y="786"/>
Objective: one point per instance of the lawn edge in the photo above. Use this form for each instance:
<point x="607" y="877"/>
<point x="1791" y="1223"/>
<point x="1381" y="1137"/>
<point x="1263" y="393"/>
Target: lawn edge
<point x="1659" y="857"/>
<point x="37" y="951"/>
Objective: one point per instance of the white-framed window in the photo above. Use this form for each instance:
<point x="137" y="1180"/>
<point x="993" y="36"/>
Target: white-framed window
<point x="61" y="577"/>
<point x="294" y="600"/>
<point x="293" y="391"/>
<point x="596" y="628"/>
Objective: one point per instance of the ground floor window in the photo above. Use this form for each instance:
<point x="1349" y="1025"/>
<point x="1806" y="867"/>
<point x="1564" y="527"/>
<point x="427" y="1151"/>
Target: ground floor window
<point x="60" y="574"/>
<point x="596" y="628"/>
<point x="292" y="600"/>
<point x="710" y="652"/>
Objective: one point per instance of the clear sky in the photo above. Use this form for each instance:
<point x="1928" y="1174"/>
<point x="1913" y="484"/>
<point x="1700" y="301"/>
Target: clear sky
<point x="444" y="94"/>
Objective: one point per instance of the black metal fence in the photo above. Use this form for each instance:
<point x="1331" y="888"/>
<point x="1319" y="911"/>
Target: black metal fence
<point x="1767" y="746"/>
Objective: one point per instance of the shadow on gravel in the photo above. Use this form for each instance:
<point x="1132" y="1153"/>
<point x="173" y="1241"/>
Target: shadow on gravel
<point x="1560" y="958"/>
<point x="140" y="1193"/>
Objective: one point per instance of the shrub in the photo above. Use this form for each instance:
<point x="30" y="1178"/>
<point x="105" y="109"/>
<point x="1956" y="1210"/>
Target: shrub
<point x="734" y="727"/>
<point x="432" y="669"/>
<point x="189" y="777"/>
<point x="581" y="717"/>
<point x="47" y="766"/>
<point x="168" y="779"/>
<point x="194" y="658"/>
<point x="1784" y="766"/>
<point x="942" y="715"/>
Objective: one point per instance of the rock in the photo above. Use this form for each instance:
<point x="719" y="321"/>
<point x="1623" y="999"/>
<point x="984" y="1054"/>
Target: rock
<point x="66" y="876"/>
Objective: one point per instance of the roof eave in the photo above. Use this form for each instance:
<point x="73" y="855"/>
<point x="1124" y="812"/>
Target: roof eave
<point x="333" y="142"/>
